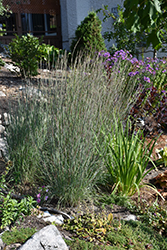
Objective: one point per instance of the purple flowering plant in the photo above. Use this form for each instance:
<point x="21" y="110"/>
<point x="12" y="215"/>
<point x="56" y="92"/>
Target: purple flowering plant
<point x="150" y="72"/>
<point x="43" y="195"/>
<point x="151" y="77"/>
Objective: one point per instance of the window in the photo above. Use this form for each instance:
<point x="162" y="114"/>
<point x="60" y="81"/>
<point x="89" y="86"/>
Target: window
<point x="39" y="24"/>
<point x="51" y="24"/>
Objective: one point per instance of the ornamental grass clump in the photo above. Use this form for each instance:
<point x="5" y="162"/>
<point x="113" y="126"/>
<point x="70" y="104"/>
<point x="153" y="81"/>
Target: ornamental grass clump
<point x="126" y="157"/>
<point x="51" y="136"/>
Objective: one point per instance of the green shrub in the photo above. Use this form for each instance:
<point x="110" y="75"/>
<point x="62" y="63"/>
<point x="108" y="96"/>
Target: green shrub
<point x="11" y="209"/>
<point x="24" y="52"/>
<point x="49" y="54"/>
<point x="88" y="37"/>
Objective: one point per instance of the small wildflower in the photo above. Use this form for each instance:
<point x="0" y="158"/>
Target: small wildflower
<point x="38" y="195"/>
<point x="146" y="79"/>
<point x="46" y="197"/>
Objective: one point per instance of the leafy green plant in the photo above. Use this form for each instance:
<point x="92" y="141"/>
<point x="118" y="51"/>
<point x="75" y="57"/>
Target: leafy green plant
<point x="93" y="228"/>
<point x="49" y="54"/>
<point x="125" y="157"/>
<point x="17" y="236"/>
<point x="151" y="20"/>
<point x="24" y="52"/>
<point x="88" y="37"/>
<point x="125" y="40"/>
<point x="11" y="209"/>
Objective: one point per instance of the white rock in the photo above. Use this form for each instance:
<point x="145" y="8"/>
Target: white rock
<point x="7" y="118"/>
<point x="48" y="238"/>
<point x="46" y="70"/>
<point x="53" y="218"/>
<point x="2" y="129"/>
<point x="130" y="217"/>
<point x="11" y="67"/>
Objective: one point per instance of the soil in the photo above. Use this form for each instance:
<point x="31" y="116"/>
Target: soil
<point x="10" y="84"/>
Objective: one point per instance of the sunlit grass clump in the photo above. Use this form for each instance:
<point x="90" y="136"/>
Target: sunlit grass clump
<point x="52" y="132"/>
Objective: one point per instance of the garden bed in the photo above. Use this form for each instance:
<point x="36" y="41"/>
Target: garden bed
<point x="12" y="87"/>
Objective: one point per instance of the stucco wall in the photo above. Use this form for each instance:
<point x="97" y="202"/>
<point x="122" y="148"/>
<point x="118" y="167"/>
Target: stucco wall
<point x="74" y="11"/>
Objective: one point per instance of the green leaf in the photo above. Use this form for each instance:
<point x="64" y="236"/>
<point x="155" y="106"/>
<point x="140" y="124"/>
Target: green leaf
<point x="154" y="39"/>
<point x="157" y="5"/>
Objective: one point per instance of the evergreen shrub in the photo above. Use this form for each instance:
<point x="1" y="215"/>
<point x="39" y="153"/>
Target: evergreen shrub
<point x="88" y="37"/>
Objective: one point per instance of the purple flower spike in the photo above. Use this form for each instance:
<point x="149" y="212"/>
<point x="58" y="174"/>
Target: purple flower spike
<point x="38" y="200"/>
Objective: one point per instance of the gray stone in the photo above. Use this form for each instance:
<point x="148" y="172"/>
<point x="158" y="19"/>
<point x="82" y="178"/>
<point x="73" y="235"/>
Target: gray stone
<point x="2" y="245"/>
<point x="3" y="147"/>
<point x="2" y="129"/>
<point x="48" y="238"/>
